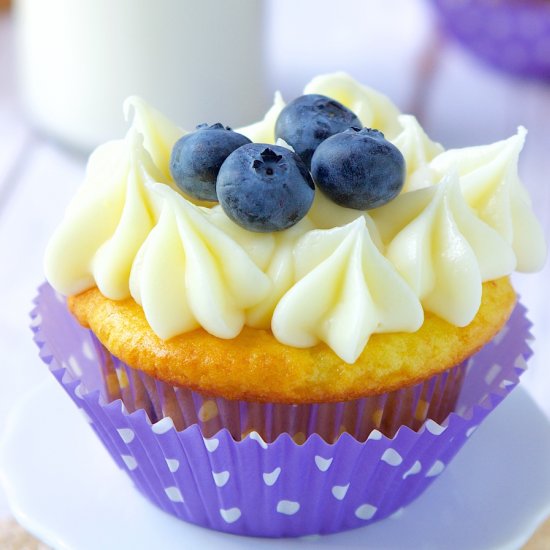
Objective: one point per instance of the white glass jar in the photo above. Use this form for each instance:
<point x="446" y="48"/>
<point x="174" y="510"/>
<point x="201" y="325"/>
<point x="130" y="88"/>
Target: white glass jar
<point x="196" y="60"/>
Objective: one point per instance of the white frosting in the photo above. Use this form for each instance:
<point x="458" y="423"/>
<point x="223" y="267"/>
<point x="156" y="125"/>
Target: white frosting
<point x="106" y="223"/>
<point x="444" y="251"/>
<point x="373" y="109"/>
<point x="190" y="273"/>
<point x="418" y="150"/>
<point x="346" y="290"/>
<point x="159" y="133"/>
<point x="491" y="185"/>
<point x="326" y="214"/>
<point x="259" y="246"/>
<point x="132" y="233"/>
<point x="280" y="270"/>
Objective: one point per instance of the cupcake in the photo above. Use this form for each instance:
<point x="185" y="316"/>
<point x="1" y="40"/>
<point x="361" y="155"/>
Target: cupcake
<point x="290" y="328"/>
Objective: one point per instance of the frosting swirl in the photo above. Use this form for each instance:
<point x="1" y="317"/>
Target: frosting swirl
<point x="345" y="291"/>
<point x="106" y="223"/>
<point x="492" y="187"/>
<point x="418" y="150"/>
<point x="159" y="133"/>
<point x="443" y="250"/>
<point x="189" y="273"/>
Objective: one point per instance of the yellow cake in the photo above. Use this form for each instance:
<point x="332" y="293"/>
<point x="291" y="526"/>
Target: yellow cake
<point x="254" y="366"/>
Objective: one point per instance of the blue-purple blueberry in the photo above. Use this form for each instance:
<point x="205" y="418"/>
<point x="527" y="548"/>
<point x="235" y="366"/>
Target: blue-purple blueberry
<point x="197" y="157"/>
<point x="265" y="188"/>
<point x="310" y="119"/>
<point x="358" y="169"/>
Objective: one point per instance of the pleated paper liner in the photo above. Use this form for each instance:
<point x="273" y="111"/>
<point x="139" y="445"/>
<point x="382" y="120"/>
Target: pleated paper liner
<point x="412" y="406"/>
<point x="230" y="481"/>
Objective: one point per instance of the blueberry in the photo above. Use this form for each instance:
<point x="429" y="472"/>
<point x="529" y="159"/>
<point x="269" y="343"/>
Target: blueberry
<point x="265" y="187"/>
<point x="358" y="169"/>
<point x="196" y="159"/>
<point x="310" y="119"/>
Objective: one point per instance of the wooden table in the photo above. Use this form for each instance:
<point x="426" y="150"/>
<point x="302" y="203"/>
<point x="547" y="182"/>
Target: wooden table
<point x="459" y="101"/>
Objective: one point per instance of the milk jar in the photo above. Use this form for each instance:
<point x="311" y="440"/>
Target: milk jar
<point x="195" y="60"/>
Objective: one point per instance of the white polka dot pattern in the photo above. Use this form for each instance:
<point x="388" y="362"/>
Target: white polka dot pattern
<point x="130" y="462"/>
<point x="211" y="444"/>
<point x="270" y="478"/>
<point x="221" y="478"/>
<point x="173" y="464"/>
<point x="339" y="491"/>
<point x="392" y="457"/>
<point x="375" y="434"/>
<point x="126" y="434"/>
<point x="163" y="426"/>
<point x="257" y="437"/>
<point x="312" y="487"/>
<point x="174" y="494"/>
<point x="323" y="463"/>
<point x="414" y="469"/>
<point x="87" y="350"/>
<point x="288" y="507"/>
<point x="366" y="511"/>
<point x="79" y="391"/>
<point x="436" y="469"/>
<point x="434" y="428"/>
<point x="230" y="515"/>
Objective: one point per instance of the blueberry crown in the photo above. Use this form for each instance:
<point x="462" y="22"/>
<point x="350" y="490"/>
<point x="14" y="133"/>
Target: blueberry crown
<point x="216" y="126"/>
<point x="268" y="157"/>
<point x="265" y="188"/>
<point x="367" y="132"/>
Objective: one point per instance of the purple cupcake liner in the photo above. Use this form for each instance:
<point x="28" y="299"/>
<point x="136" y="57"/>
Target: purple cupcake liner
<point x="276" y="489"/>
<point x="435" y="398"/>
<point x="512" y="35"/>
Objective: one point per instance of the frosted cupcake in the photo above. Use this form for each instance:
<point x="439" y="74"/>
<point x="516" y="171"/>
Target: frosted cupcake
<point x="349" y="326"/>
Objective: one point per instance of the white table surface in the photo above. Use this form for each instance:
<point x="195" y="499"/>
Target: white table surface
<point x="465" y="103"/>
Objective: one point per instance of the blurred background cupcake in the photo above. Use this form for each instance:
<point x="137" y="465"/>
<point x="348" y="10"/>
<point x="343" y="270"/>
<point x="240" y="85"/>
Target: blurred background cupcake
<point x="511" y="35"/>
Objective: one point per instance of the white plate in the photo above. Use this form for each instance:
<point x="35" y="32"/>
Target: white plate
<point x="63" y="487"/>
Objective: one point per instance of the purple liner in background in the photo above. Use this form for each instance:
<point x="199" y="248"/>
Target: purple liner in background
<point x="279" y="489"/>
<point x="512" y="35"/>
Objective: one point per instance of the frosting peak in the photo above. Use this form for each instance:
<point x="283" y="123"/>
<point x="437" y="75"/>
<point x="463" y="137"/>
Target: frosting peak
<point x="189" y="273"/>
<point x="444" y="251"/>
<point x="159" y="133"/>
<point x="106" y="223"/>
<point x="418" y="150"/>
<point x="491" y="185"/>
<point x="345" y="291"/>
